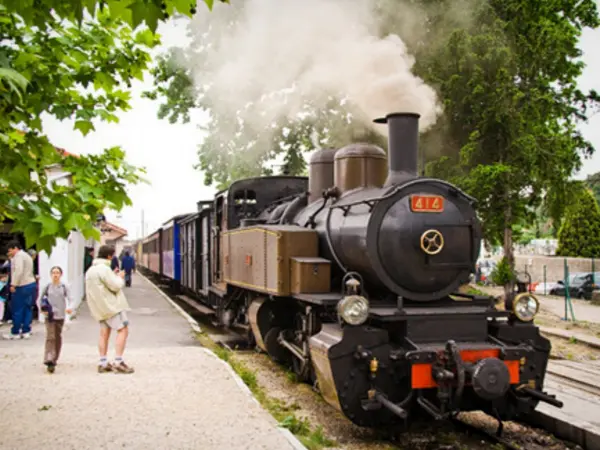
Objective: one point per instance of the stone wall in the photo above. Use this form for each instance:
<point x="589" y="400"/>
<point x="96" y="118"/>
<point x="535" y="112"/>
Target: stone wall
<point x="554" y="266"/>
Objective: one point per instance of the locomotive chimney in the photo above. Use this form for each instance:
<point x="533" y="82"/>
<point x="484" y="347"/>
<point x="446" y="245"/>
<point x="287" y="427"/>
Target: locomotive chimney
<point x="403" y="145"/>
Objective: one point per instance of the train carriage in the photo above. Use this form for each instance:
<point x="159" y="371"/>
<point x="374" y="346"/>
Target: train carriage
<point x="137" y="248"/>
<point x="151" y="258"/>
<point x="195" y="233"/>
<point x="189" y="242"/>
<point x="170" y="253"/>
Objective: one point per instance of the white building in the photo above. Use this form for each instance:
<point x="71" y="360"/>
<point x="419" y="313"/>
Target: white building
<point x="68" y="253"/>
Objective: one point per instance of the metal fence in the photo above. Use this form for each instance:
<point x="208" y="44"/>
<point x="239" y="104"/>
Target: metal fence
<point x="566" y="285"/>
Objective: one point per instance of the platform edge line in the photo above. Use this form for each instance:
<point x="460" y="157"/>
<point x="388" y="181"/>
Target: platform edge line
<point x="581" y="339"/>
<point x="293" y="440"/>
<point x="577" y="434"/>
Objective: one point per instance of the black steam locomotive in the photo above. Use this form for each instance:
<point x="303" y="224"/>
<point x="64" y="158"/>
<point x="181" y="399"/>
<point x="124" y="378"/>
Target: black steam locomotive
<point x="352" y="277"/>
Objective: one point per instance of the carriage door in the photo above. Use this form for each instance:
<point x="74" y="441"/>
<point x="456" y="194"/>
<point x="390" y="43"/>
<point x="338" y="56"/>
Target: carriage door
<point x="205" y="256"/>
<point x="191" y="252"/>
<point x="216" y="239"/>
<point x="184" y="232"/>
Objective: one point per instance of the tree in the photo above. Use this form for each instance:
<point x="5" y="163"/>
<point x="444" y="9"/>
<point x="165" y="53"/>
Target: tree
<point x="65" y="71"/>
<point x="512" y="102"/>
<point x="579" y="235"/>
<point x="556" y="201"/>
<point x="593" y="182"/>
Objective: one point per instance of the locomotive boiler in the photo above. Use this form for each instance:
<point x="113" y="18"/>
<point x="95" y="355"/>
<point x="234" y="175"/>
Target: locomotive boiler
<point x="352" y="278"/>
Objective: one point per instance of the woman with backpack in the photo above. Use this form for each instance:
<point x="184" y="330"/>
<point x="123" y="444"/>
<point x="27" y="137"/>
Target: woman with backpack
<point x="55" y="303"/>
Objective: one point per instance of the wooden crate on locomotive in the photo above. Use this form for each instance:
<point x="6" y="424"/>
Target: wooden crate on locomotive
<point x="310" y="275"/>
<point x="260" y="257"/>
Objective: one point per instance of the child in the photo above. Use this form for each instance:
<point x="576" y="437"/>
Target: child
<point x="3" y="294"/>
<point x="55" y="303"/>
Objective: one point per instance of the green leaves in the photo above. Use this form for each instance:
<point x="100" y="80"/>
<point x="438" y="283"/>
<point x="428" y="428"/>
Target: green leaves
<point x="579" y="235"/>
<point x="42" y="71"/>
<point x="132" y="12"/>
<point x="148" y="12"/>
<point x="147" y="38"/>
<point x="85" y="126"/>
<point x="50" y="226"/>
<point x="16" y="82"/>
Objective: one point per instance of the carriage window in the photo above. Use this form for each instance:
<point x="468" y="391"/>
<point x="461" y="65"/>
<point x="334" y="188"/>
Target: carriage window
<point x="244" y="197"/>
<point x="244" y="203"/>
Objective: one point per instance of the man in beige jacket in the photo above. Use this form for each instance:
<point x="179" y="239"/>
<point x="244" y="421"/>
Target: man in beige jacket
<point x="108" y="305"/>
<point x="22" y="286"/>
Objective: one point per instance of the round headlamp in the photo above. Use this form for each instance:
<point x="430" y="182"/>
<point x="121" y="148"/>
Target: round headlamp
<point x="353" y="309"/>
<point x="525" y="306"/>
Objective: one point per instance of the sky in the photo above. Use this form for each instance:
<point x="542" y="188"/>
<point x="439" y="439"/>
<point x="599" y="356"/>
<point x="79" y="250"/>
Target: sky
<point x="169" y="151"/>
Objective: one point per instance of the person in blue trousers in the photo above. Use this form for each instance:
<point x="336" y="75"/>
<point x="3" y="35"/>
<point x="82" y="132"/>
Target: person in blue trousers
<point x="128" y="266"/>
<point x="22" y="287"/>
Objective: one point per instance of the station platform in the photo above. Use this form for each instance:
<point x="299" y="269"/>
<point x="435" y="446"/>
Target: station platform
<point x="181" y="396"/>
<point x="578" y="420"/>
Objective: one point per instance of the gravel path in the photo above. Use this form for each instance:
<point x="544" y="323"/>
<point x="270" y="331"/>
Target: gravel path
<point x="180" y="397"/>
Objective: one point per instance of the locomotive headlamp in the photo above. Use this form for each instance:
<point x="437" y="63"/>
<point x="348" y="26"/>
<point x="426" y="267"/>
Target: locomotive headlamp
<point x="525" y="306"/>
<point x="353" y="309"/>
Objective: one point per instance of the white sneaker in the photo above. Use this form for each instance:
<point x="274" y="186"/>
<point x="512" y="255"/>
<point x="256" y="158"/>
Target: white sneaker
<point x="11" y="337"/>
<point x="26" y="335"/>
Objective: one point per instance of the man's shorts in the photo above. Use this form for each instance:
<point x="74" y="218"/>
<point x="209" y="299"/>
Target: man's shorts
<point x="116" y="322"/>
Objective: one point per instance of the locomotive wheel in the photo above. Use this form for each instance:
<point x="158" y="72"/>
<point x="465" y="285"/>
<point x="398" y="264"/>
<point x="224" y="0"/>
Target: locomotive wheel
<point x="303" y="373"/>
<point x="275" y="350"/>
<point x="250" y="338"/>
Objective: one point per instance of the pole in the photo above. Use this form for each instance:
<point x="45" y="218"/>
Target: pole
<point x="143" y="223"/>
<point x="567" y="295"/>
<point x="568" y="302"/>
<point x="544" y="279"/>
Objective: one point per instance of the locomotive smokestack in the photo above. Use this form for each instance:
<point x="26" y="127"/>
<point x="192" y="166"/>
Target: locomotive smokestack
<point x="403" y="146"/>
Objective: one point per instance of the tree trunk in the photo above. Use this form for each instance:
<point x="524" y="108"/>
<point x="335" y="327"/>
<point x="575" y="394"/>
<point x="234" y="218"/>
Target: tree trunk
<point x="508" y="250"/>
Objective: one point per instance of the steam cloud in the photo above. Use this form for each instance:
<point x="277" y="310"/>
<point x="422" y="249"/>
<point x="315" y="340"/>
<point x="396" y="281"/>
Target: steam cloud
<point x="273" y="55"/>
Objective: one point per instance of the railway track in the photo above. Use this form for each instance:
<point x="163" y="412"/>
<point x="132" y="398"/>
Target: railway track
<point x="584" y="377"/>
<point x="233" y="340"/>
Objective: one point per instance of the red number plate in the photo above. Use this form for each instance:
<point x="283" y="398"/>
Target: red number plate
<point x="427" y="203"/>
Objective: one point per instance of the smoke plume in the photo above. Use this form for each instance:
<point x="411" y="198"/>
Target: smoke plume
<point x="267" y="58"/>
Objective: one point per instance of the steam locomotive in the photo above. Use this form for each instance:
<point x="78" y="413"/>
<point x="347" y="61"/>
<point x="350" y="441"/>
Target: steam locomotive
<point x="352" y="277"/>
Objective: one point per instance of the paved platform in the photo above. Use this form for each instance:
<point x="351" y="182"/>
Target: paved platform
<point x="578" y="420"/>
<point x="570" y="334"/>
<point x="180" y="397"/>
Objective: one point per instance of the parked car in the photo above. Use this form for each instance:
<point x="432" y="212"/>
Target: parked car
<point x="581" y="285"/>
<point x="541" y="288"/>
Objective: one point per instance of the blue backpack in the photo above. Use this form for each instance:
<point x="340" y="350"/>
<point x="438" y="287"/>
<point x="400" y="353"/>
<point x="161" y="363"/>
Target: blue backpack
<point x="3" y="294"/>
